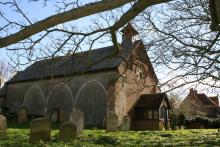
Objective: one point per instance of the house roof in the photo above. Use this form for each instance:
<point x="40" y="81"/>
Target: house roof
<point x="94" y="60"/>
<point x="215" y="100"/>
<point x="207" y="104"/>
<point x="152" y="100"/>
<point x="204" y="99"/>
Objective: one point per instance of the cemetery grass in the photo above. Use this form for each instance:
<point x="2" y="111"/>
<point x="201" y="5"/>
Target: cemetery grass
<point x="19" y="137"/>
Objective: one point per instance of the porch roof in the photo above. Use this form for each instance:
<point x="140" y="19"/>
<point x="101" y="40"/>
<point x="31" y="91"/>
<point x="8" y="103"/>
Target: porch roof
<point x="152" y="100"/>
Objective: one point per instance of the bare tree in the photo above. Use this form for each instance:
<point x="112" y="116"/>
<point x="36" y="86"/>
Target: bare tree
<point x="180" y="41"/>
<point x="177" y="34"/>
<point x="6" y="72"/>
<point x="31" y="39"/>
<point x="27" y="30"/>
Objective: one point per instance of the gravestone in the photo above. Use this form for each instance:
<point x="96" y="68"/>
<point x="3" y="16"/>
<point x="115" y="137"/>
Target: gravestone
<point x="61" y="116"/>
<point x="54" y="116"/>
<point x="22" y="115"/>
<point x="3" y="126"/>
<point x="40" y="130"/>
<point x="77" y="117"/>
<point x="68" y="131"/>
<point x="112" y="122"/>
<point x="125" y="123"/>
<point x="47" y="115"/>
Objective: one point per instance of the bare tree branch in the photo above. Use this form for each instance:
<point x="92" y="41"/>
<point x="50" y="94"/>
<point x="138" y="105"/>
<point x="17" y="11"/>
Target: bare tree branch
<point x="77" y="13"/>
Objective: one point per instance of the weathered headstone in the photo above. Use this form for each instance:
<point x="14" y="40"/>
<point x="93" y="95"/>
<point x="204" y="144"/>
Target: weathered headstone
<point x="125" y="123"/>
<point x="112" y="122"/>
<point x="47" y="115"/>
<point x="61" y="116"/>
<point x="77" y="117"/>
<point x="3" y="126"/>
<point x="40" y="130"/>
<point x="54" y="116"/>
<point x="68" y="130"/>
<point x="22" y="115"/>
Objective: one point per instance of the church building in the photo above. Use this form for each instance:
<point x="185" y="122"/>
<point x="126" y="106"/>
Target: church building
<point x="99" y="83"/>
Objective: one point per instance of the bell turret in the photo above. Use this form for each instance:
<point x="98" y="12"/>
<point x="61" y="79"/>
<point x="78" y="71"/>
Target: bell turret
<point x="128" y="33"/>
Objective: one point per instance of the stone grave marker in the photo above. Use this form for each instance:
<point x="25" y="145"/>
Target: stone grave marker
<point x="68" y="131"/>
<point x="3" y="126"/>
<point x="77" y="117"/>
<point x="125" y="123"/>
<point x="47" y="115"/>
<point x="61" y="116"/>
<point x="54" y="115"/>
<point x="22" y="115"/>
<point x="40" y="130"/>
<point x="112" y="122"/>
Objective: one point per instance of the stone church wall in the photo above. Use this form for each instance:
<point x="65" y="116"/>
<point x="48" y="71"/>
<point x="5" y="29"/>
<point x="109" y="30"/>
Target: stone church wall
<point x="89" y="93"/>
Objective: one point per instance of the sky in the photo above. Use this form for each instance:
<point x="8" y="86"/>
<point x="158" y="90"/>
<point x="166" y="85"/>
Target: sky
<point x="38" y="11"/>
<point x="35" y="11"/>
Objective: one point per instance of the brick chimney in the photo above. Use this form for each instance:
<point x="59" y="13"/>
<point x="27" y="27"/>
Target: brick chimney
<point x="195" y="91"/>
<point x="128" y="34"/>
<point x="192" y="91"/>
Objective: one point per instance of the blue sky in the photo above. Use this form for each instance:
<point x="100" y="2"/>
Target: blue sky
<point x="38" y="11"/>
<point x="35" y="11"/>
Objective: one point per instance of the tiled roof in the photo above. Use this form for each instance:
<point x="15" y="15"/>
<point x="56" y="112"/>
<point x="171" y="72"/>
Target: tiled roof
<point x="204" y="99"/>
<point x="94" y="60"/>
<point x="215" y="100"/>
<point x="152" y="100"/>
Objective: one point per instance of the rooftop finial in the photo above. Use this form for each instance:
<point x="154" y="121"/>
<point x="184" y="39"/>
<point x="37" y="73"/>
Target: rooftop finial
<point x="128" y="33"/>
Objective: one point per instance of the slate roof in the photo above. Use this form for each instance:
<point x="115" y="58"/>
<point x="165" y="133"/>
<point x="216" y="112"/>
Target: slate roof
<point x="152" y="100"/>
<point x="215" y="100"/>
<point x="205" y="100"/>
<point x="87" y="61"/>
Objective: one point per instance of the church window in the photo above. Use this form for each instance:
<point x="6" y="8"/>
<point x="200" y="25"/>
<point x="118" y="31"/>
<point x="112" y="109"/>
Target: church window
<point x="140" y="74"/>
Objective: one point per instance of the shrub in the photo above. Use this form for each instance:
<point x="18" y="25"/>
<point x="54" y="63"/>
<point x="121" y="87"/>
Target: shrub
<point x="203" y="121"/>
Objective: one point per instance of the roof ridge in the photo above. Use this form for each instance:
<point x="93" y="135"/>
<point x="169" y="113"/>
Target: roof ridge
<point x="57" y="67"/>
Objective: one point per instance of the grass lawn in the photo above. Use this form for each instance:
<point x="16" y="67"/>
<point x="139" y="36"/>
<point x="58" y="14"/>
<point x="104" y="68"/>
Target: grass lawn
<point x="200" y="137"/>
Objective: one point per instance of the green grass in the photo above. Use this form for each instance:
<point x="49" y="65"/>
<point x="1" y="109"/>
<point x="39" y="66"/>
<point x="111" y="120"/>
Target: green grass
<point x="200" y="137"/>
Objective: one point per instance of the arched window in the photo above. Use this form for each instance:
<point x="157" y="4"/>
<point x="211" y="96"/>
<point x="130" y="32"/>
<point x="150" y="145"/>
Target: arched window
<point x="140" y="73"/>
